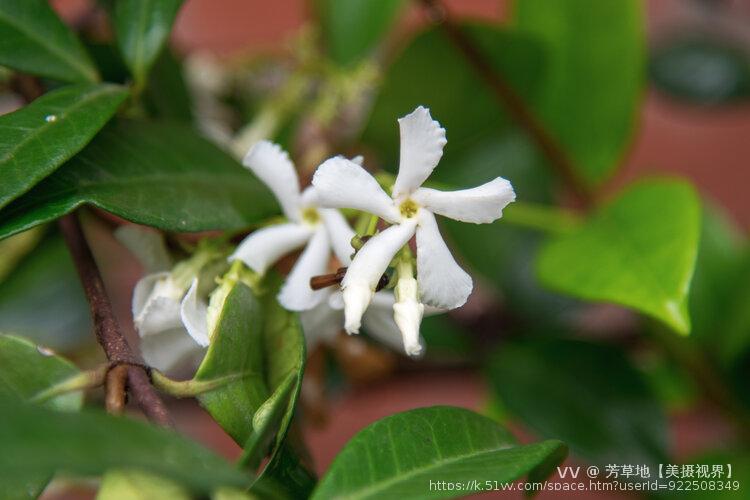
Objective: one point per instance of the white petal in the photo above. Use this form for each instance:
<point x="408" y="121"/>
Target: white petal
<point x="408" y="317"/>
<point x="379" y="323"/>
<point x="321" y="324"/>
<point x="341" y="183"/>
<point x="272" y="166"/>
<point x="442" y="283"/>
<point x="171" y="350"/>
<point x="194" y="314"/>
<point x="147" y="245"/>
<point x="156" y="304"/>
<point x="480" y="205"/>
<point x="366" y="269"/>
<point x="422" y="141"/>
<point x="340" y="234"/>
<point x="262" y="248"/>
<point x="296" y="294"/>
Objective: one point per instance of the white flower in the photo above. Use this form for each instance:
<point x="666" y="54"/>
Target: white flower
<point x="441" y="283"/>
<point x="169" y="313"/>
<point x="319" y="230"/>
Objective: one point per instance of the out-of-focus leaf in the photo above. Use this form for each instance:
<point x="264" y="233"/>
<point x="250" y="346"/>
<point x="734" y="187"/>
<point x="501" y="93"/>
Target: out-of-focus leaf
<point x="151" y="173"/>
<point x="89" y="443"/>
<point x="432" y="73"/>
<point x="166" y="95"/>
<point x="702" y="70"/>
<point x="40" y="137"/>
<point x="352" y="28"/>
<point x="25" y="370"/>
<point x="258" y="340"/>
<point x="592" y="89"/>
<point x="42" y="298"/>
<point x="396" y="457"/>
<point x="638" y="251"/>
<point x="124" y="484"/>
<point x="587" y="395"/>
<point x="34" y="40"/>
<point x="13" y="250"/>
<point x="720" y="291"/>
<point x="142" y="27"/>
<point x="444" y="338"/>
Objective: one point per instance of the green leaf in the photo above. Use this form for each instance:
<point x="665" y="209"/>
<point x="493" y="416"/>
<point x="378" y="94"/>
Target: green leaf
<point x="638" y="251"/>
<point x="702" y="70"/>
<point x="40" y="137"/>
<point x="125" y="484"/>
<point x="352" y="28"/>
<point x="398" y="456"/>
<point x="432" y="73"/>
<point x="25" y="370"/>
<point x="585" y="394"/>
<point x="34" y="40"/>
<point x="142" y="27"/>
<point x="151" y="173"/>
<point x="592" y="90"/>
<point x="166" y="96"/>
<point x="263" y="343"/>
<point x="234" y="352"/>
<point x="90" y="443"/>
<point x="42" y="298"/>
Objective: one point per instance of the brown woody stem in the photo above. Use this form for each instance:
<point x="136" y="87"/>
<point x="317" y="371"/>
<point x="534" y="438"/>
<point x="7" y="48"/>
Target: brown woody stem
<point x="108" y="332"/>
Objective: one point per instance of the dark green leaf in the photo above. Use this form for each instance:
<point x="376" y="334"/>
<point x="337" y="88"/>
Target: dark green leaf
<point x="398" y="456"/>
<point x="42" y="298"/>
<point x="702" y="70"/>
<point x="142" y="27"/>
<point x="40" y="137"/>
<point x="638" y="251"/>
<point x="25" y="370"/>
<point x="352" y="28"/>
<point x="585" y="394"/>
<point x="592" y="90"/>
<point x="34" y="40"/>
<point x="234" y="352"/>
<point x="265" y="346"/>
<point x="90" y="443"/>
<point x="156" y="174"/>
<point x="166" y="95"/>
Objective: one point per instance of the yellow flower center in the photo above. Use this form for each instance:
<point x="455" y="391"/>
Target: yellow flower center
<point x="408" y="208"/>
<point x="310" y="215"/>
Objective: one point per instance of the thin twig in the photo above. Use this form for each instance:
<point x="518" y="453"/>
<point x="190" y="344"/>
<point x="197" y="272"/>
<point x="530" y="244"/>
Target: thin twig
<point x="512" y="102"/>
<point x="115" y="387"/>
<point x="107" y="330"/>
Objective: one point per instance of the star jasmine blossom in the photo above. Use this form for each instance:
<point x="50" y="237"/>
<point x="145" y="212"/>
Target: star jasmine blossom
<point x="411" y="209"/>
<point x="319" y="230"/>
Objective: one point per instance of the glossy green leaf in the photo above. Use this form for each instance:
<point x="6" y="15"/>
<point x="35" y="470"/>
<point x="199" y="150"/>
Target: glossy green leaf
<point x="142" y="27"/>
<point x="42" y="298"/>
<point x="398" y="456"/>
<point x="25" y="370"/>
<point x="263" y="343"/>
<point x="587" y="395"/>
<point x="40" y="137"/>
<point x="166" y="95"/>
<point x="90" y="443"/>
<point x="125" y="484"/>
<point x="156" y="174"/>
<point x="638" y="251"/>
<point x="34" y="40"/>
<point x="592" y="90"/>
<point x="352" y="28"/>
<point x="702" y="70"/>
<point x="234" y="352"/>
<point x="430" y="72"/>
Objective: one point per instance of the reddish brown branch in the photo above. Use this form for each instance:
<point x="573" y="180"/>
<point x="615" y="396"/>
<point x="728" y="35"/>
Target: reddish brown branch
<point x="512" y="102"/>
<point x="107" y="330"/>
